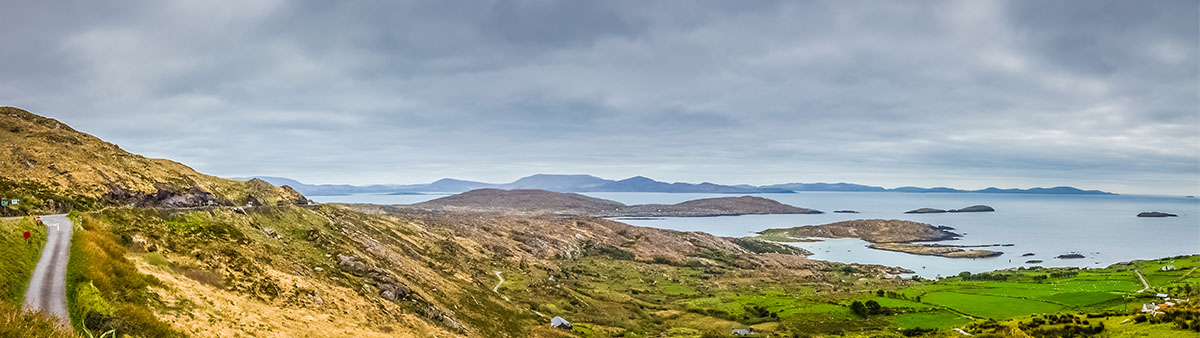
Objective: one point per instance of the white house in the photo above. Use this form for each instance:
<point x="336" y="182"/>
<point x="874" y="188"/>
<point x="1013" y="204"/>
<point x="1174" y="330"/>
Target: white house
<point x="561" y="323"/>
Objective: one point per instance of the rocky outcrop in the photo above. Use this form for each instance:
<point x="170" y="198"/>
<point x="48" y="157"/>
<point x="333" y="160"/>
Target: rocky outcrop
<point x="389" y="288"/>
<point x="1070" y="256"/>
<point x="164" y="197"/>
<point x="845" y="212"/>
<point x="1155" y="214"/>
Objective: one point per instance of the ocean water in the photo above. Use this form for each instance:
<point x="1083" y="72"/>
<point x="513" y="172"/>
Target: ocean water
<point x="1104" y="229"/>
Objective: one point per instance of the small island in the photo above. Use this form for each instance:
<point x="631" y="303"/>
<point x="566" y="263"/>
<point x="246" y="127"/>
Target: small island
<point x="1155" y="214"/>
<point x="845" y="212"/>
<point x="973" y="208"/>
<point x="1070" y="256"/>
<point x="943" y="250"/>
<point x="1033" y="261"/>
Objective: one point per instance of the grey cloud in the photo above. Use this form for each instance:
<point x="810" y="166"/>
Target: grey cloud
<point x="966" y="92"/>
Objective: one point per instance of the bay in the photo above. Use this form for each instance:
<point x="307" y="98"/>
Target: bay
<point x="1104" y="229"/>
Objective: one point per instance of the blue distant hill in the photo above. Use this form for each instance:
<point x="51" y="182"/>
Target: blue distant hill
<point x="994" y="190"/>
<point x="589" y="183"/>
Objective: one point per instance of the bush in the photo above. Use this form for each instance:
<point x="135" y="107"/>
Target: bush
<point x="859" y="309"/>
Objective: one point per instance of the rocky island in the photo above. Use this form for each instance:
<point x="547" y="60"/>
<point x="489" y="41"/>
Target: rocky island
<point x="973" y="208"/>
<point x="891" y="235"/>
<point x="1155" y="214"/>
<point x="944" y="250"/>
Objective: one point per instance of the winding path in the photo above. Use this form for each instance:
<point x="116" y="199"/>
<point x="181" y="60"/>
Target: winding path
<point x="496" y="289"/>
<point x="1139" y="274"/>
<point x="47" y="289"/>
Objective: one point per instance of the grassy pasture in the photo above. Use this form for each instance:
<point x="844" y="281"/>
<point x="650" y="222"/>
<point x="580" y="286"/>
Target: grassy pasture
<point x="931" y="319"/>
<point x="985" y="306"/>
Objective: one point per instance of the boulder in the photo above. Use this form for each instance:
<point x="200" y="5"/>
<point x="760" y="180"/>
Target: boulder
<point x="352" y="265"/>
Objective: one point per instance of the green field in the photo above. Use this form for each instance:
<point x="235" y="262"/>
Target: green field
<point x="20" y="256"/>
<point x="931" y="319"/>
<point x="712" y="303"/>
<point x="994" y="307"/>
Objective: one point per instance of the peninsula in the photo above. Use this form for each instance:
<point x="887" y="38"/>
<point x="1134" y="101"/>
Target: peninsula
<point x="890" y="235"/>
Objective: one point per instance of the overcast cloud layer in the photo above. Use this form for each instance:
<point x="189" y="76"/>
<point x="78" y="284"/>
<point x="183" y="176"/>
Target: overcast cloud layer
<point x="969" y="94"/>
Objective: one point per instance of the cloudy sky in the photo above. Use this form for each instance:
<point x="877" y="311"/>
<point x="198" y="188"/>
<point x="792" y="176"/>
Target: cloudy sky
<point x="969" y="94"/>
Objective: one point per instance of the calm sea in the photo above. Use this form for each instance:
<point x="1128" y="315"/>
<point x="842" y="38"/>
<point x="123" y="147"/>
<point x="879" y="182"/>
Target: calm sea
<point x="1102" y="228"/>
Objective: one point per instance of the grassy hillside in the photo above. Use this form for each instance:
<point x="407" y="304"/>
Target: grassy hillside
<point x="50" y="167"/>
<point x="290" y="270"/>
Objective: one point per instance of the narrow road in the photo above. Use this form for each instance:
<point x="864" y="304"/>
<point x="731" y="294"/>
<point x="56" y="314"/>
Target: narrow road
<point x="1147" y="285"/>
<point x="496" y="289"/>
<point x="48" y="287"/>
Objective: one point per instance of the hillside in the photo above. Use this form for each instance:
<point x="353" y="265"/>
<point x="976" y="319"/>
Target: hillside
<point x="381" y="271"/>
<point x="541" y="201"/>
<point x="50" y="167"/>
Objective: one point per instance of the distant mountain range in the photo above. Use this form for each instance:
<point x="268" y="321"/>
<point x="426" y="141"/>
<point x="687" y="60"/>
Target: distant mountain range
<point x="588" y="183"/>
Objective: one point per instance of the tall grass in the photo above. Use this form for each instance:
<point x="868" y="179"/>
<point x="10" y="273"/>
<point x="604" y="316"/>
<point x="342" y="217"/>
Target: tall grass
<point x="105" y="291"/>
<point x="17" y="323"/>
<point x="18" y="257"/>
